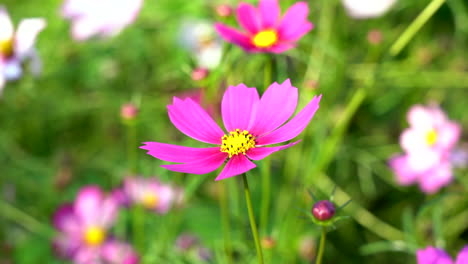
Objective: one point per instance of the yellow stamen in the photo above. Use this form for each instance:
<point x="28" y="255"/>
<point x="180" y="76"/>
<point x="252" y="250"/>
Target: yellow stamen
<point x="94" y="236"/>
<point x="6" y="47"/>
<point x="237" y="142"/>
<point x="431" y="137"/>
<point x="150" y="200"/>
<point x="265" y="39"/>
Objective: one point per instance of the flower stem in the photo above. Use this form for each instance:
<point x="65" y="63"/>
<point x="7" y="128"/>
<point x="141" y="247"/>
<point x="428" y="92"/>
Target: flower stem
<point x="253" y="225"/>
<point x="223" y="201"/>
<point x="132" y="146"/>
<point x="417" y="24"/>
<point x="318" y="260"/>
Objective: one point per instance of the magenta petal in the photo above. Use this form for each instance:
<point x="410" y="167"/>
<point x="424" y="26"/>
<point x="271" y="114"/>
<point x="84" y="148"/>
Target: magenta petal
<point x="237" y="165"/>
<point x="462" y="257"/>
<point x="239" y="107"/>
<point x="193" y="121"/>
<point x="201" y="166"/>
<point x="281" y="47"/>
<point x="233" y="36"/>
<point x="294" y="127"/>
<point x="269" y="11"/>
<point x="405" y="175"/>
<point x="448" y="135"/>
<point x="175" y="153"/>
<point x="88" y="205"/>
<point x="293" y="20"/>
<point x="269" y="115"/>
<point x="432" y="255"/>
<point x="65" y="220"/>
<point x="296" y="33"/>
<point x="263" y="152"/>
<point x="248" y="17"/>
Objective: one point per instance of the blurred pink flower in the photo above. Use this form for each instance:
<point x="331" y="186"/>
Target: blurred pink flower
<point x="427" y="143"/>
<point x="432" y="255"/>
<point x="151" y="193"/>
<point x="430" y="179"/>
<point x="100" y="17"/>
<point x="83" y="226"/>
<point x="116" y="252"/>
<point x="251" y="122"/>
<point x="265" y="31"/>
<point x="15" y="47"/>
<point x="362" y="9"/>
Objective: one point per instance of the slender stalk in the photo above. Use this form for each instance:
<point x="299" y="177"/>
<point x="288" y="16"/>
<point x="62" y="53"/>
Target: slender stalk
<point x="225" y="218"/>
<point x="131" y="146"/>
<point x="417" y="24"/>
<point x="318" y="260"/>
<point x="253" y="225"/>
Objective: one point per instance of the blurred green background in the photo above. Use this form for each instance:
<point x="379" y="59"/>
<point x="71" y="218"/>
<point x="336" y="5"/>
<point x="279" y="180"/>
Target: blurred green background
<point x="63" y="130"/>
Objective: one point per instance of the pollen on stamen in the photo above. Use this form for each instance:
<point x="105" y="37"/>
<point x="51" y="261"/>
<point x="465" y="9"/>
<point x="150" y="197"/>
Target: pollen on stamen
<point x="237" y="142"/>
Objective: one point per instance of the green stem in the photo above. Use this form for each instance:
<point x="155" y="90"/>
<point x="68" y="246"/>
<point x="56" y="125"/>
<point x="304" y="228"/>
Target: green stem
<point x="17" y="216"/>
<point x="225" y="217"/>
<point x="417" y="24"/>
<point x="318" y="260"/>
<point x="131" y="145"/>
<point x="253" y="225"/>
<point x="138" y="227"/>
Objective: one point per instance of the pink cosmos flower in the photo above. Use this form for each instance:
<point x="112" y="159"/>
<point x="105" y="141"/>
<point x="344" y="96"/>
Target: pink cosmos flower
<point x="430" y="135"/>
<point x="103" y="18"/>
<point x="431" y="255"/>
<point x="265" y="31"/>
<point x="151" y="193"/>
<point x="15" y="47"/>
<point x="251" y="122"/>
<point x="427" y="144"/>
<point x="84" y="225"/>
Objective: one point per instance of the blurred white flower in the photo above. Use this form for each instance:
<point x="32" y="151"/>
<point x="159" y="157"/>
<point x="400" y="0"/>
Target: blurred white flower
<point x="362" y="9"/>
<point x="200" y="38"/>
<point x="15" y="47"/>
<point x="100" y="17"/>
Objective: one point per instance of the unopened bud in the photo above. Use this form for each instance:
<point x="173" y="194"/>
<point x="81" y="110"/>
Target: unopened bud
<point x="199" y="74"/>
<point x="223" y="10"/>
<point x="323" y="210"/>
<point x="128" y="111"/>
<point x="374" y="37"/>
<point x="268" y="242"/>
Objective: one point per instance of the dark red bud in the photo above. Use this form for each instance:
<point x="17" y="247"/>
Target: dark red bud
<point x="323" y="210"/>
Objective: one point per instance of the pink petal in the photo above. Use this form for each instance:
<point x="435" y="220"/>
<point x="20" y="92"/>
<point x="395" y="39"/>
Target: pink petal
<point x="448" y="135"/>
<point x="239" y="107"/>
<point x="269" y="11"/>
<point x="423" y="160"/>
<point x="281" y="47"/>
<point x="248" y="17"/>
<point x="201" y="166"/>
<point x="88" y="205"/>
<point x="65" y="220"/>
<point x="175" y="153"/>
<point x="293" y="20"/>
<point x="6" y="27"/>
<point x="432" y="255"/>
<point x="412" y="140"/>
<point x="405" y="175"/>
<point x="233" y="36"/>
<point x="425" y="118"/>
<point x="462" y="257"/>
<point x="26" y="34"/>
<point x="436" y="178"/>
<point x="237" y="165"/>
<point x="192" y="120"/>
<point x="166" y="197"/>
<point x="108" y="212"/>
<point x="115" y="251"/>
<point x="297" y="33"/>
<point x="263" y="152"/>
<point x="294" y="127"/>
<point x="84" y="28"/>
<point x="269" y="115"/>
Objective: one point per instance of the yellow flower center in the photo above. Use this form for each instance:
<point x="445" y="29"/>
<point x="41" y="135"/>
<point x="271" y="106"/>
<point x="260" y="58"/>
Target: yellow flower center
<point x="150" y="200"/>
<point x="237" y="142"/>
<point x="265" y="39"/>
<point x="6" y="47"/>
<point x="94" y="236"/>
<point x="431" y="137"/>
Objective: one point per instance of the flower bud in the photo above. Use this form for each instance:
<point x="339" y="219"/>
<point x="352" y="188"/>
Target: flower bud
<point x="128" y="111"/>
<point x="323" y="210"/>
<point x="223" y="10"/>
<point x="374" y="37"/>
<point x="199" y="74"/>
<point x="268" y="242"/>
